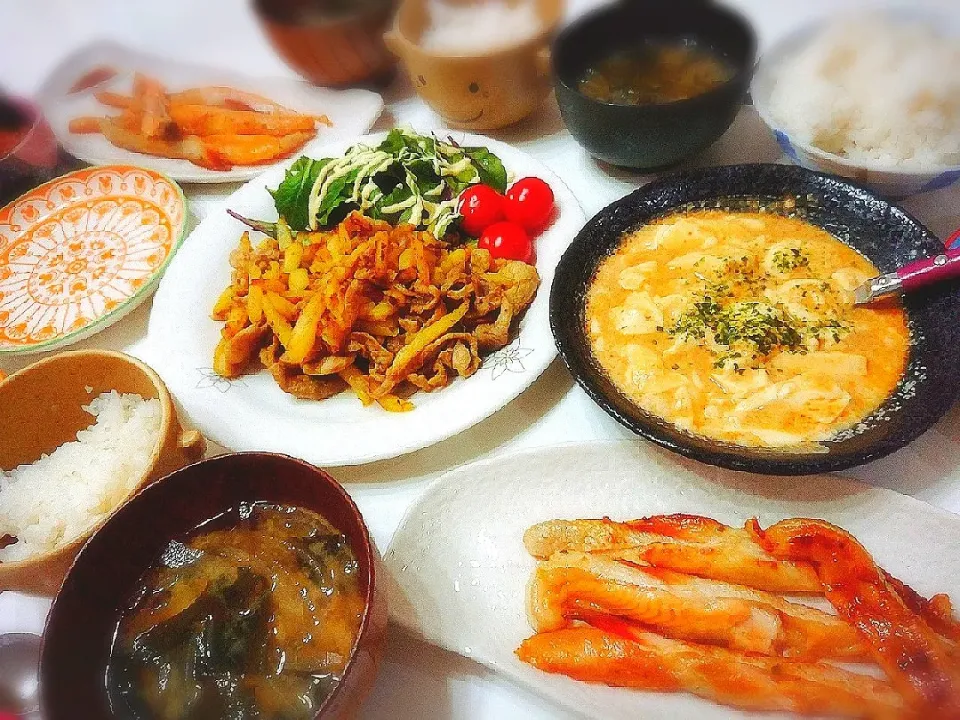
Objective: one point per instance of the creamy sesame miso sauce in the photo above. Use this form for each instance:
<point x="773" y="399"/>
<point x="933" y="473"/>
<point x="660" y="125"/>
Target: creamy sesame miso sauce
<point x="740" y="326"/>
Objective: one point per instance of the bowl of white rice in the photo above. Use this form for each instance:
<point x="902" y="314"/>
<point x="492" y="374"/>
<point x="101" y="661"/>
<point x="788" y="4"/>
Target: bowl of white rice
<point x="873" y="97"/>
<point x="82" y="433"/>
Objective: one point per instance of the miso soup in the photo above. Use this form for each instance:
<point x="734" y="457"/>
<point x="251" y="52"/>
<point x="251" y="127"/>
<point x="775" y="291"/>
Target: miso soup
<point x="252" y="615"/>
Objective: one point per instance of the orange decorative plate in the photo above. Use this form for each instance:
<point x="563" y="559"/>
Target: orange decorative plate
<point x="81" y="251"/>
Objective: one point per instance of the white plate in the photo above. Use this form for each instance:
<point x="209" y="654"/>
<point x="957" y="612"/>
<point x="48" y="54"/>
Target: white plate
<point x="457" y="577"/>
<point x="352" y="112"/>
<point x="252" y="413"/>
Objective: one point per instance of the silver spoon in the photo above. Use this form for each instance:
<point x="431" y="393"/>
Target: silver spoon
<point x="19" y="667"/>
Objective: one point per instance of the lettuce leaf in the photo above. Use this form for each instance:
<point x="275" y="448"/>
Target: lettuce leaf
<point x="292" y="195"/>
<point x="399" y="140"/>
<point x="337" y="197"/>
<point x="489" y="167"/>
<point x="423" y="166"/>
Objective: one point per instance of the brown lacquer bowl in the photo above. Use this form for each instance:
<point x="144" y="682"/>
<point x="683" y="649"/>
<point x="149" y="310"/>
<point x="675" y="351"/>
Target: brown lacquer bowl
<point x="330" y="42"/>
<point x="41" y="407"/>
<point x="81" y="624"/>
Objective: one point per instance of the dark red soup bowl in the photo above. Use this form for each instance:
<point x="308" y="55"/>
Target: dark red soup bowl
<point x="99" y="586"/>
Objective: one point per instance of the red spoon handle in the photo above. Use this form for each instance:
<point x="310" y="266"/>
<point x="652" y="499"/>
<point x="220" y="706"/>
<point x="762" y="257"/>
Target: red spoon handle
<point x="953" y="241"/>
<point x="921" y="273"/>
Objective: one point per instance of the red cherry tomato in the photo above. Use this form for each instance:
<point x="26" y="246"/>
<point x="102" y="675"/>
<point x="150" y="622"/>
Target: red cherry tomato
<point x="481" y="206"/>
<point x="529" y="203"/>
<point x="507" y="240"/>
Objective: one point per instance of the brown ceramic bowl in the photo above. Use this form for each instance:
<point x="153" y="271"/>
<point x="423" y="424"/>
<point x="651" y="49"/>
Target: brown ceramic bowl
<point x="82" y="621"/>
<point x="330" y="42"/>
<point x="479" y="90"/>
<point x="41" y="408"/>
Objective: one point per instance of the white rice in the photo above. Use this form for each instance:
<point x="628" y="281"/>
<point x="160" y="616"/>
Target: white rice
<point x="477" y="27"/>
<point x="875" y="88"/>
<point x="54" y="500"/>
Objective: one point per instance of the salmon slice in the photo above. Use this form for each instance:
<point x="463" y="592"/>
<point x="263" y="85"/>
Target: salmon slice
<point x="222" y="96"/>
<point x="686" y="607"/>
<point x="919" y="662"/>
<point x="251" y="149"/>
<point x="209" y="120"/>
<point x="151" y="100"/>
<point x="234" y="99"/>
<point x="686" y="543"/>
<point x="188" y="148"/>
<point x="625" y="656"/>
<point x="937" y="611"/>
<point x="115" y="100"/>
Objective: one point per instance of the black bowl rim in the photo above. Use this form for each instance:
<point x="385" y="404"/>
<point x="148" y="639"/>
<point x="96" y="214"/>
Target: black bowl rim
<point x="367" y="542"/>
<point x="724" y="455"/>
<point x="741" y="78"/>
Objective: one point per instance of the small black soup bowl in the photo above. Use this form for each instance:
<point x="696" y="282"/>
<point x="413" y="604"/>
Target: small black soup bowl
<point x="654" y="136"/>
<point x="877" y="229"/>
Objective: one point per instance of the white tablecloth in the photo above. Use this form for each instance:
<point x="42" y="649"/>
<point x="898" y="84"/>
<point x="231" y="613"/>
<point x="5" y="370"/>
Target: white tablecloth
<point x="418" y="681"/>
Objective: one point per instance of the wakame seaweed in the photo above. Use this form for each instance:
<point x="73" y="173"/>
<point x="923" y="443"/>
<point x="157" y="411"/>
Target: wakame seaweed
<point x="255" y="618"/>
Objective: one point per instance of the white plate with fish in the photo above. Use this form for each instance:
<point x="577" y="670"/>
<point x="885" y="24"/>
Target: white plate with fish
<point x="458" y="578"/>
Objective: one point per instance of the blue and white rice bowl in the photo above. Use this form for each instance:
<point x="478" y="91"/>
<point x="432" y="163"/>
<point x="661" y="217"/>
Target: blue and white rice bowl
<point x="890" y="180"/>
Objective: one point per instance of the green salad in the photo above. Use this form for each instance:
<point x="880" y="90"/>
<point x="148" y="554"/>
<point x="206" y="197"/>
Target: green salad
<point x="407" y="178"/>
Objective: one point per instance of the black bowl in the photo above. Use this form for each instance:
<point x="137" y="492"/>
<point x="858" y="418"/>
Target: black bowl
<point x="651" y="136"/>
<point x="880" y="231"/>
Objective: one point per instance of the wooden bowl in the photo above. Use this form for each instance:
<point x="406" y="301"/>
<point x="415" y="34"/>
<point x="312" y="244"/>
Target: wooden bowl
<point x="42" y="409"/>
<point x="84" y="616"/>
<point x="482" y="90"/>
<point x="333" y="50"/>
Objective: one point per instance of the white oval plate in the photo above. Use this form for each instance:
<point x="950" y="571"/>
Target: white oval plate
<point x="253" y="413"/>
<point x="352" y="112"/>
<point x="457" y="577"/>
